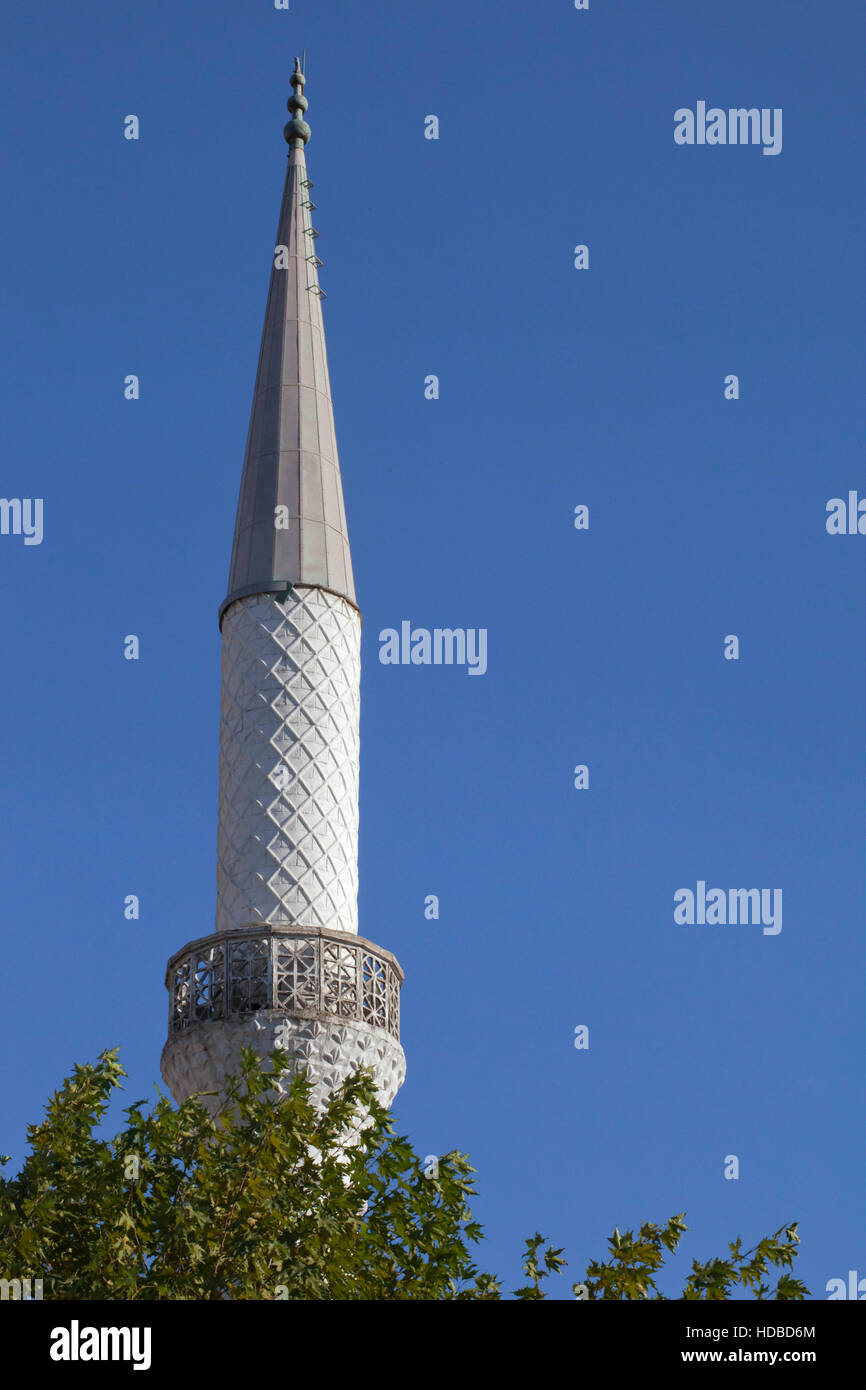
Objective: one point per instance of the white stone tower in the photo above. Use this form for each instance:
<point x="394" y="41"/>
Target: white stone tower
<point x="285" y="966"/>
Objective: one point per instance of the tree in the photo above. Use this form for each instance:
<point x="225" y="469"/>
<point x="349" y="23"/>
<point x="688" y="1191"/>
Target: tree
<point x="270" y="1201"/>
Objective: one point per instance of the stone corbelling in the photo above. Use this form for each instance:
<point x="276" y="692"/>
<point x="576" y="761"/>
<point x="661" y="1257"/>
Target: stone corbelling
<point x="199" y="1058"/>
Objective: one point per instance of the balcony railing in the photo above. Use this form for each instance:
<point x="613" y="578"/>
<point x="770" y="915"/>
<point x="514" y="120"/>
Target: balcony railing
<point x="305" y="972"/>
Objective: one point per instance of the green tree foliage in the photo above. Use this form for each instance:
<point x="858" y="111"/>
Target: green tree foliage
<point x="635" y="1259"/>
<point x="270" y="1201"/>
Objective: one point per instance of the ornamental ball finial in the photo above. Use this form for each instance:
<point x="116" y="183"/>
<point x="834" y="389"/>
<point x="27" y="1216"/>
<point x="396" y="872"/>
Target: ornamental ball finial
<point x="296" y="132"/>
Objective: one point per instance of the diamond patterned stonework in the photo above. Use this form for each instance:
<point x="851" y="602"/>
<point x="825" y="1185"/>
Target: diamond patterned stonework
<point x="287" y="841"/>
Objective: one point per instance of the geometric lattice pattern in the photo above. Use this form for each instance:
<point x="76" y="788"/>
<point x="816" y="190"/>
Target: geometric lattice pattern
<point x="307" y="974"/>
<point x="287" y="843"/>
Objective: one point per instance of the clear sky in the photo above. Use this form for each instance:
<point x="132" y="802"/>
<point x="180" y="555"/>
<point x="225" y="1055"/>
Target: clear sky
<point x="558" y="387"/>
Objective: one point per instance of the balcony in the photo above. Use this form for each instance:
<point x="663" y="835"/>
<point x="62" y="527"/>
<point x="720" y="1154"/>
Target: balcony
<point x="305" y="972"/>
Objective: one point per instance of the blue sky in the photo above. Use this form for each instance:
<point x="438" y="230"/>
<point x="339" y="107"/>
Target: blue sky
<point x="605" y="647"/>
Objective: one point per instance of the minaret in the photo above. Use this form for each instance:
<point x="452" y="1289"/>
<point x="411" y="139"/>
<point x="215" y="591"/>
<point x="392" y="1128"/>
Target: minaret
<point x="285" y="966"/>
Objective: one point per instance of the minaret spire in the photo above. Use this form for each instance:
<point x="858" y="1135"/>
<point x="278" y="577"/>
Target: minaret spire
<point x="291" y="458"/>
<point x="285" y="966"/>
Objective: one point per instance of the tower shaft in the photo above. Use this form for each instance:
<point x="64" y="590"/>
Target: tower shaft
<point x="289" y="760"/>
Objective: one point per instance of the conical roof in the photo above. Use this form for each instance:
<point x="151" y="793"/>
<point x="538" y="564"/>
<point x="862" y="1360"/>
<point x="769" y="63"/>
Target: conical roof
<point x="291" y="520"/>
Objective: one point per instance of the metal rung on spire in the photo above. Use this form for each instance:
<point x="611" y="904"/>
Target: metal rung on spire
<point x="311" y="231"/>
<point x="309" y="204"/>
<point x="317" y="290"/>
<point x="307" y="183"/>
<point x="315" y="261"/>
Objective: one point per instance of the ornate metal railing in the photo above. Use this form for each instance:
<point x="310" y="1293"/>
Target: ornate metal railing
<point x="307" y="972"/>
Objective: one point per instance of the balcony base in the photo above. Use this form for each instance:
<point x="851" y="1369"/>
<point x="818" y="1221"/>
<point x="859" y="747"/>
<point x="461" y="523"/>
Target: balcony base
<point x="198" y="1058"/>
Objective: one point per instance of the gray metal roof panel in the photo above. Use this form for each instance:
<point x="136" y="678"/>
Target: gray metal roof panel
<point x="291" y="454"/>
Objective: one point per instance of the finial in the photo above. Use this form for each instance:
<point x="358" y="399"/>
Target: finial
<point x="296" y="132"/>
